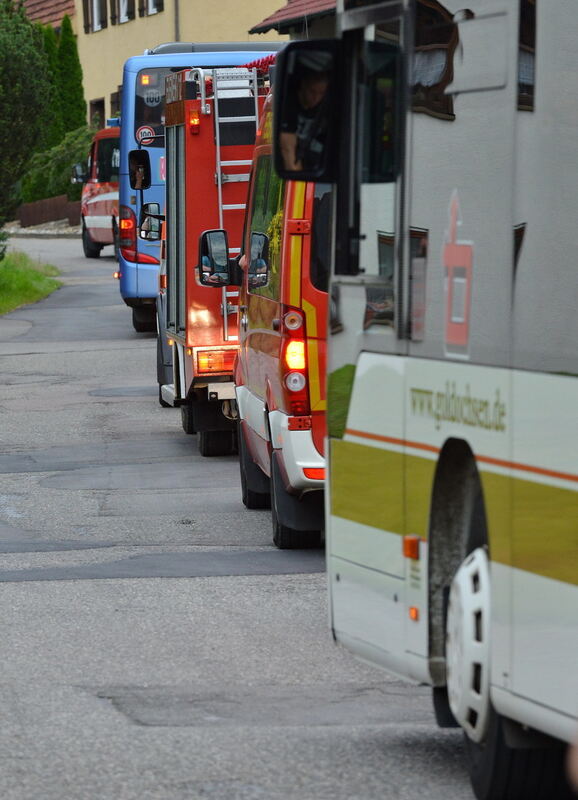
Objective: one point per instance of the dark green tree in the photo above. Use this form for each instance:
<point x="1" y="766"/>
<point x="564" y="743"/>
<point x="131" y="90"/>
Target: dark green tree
<point x="70" y="78"/>
<point x="54" y="131"/>
<point x="24" y="97"/>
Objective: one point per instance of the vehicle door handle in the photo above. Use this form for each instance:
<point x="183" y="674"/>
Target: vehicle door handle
<point x="276" y="324"/>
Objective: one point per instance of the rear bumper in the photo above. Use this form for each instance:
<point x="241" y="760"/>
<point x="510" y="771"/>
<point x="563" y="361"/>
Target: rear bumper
<point x="294" y="449"/>
<point x="138" y="281"/>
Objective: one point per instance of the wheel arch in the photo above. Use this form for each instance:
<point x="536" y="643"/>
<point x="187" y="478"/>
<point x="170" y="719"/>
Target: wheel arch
<point x="457" y="524"/>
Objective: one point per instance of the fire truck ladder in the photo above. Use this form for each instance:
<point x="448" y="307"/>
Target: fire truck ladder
<point x="241" y="83"/>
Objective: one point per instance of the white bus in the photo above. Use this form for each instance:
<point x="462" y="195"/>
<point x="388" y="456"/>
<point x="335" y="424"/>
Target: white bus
<point x="451" y="132"/>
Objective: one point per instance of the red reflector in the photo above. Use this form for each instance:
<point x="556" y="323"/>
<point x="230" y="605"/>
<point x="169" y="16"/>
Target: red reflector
<point x="299" y="408"/>
<point x="316" y="473"/>
<point x="299" y="423"/>
<point x="215" y="360"/>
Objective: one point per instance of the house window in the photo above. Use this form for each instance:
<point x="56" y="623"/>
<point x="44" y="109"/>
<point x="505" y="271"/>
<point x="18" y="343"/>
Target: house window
<point x="148" y="7"/>
<point x="95" y="15"/>
<point x="115" y="101"/>
<point x="96" y="110"/>
<point x="121" y="11"/>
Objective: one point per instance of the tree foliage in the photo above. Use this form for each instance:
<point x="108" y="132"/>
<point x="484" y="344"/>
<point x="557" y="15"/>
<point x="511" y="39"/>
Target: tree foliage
<point x="24" y="96"/>
<point x="70" y="79"/>
<point x="54" y="131"/>
<point x="48" y="173"/>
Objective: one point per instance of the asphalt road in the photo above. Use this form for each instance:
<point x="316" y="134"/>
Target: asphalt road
<point x="154" y="643"/>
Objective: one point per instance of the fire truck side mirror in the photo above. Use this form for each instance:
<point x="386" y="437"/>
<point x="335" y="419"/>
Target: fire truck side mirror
<point x="214" y="262"/>
<point x="305" y="113"/>
<point x="139" y="169"/>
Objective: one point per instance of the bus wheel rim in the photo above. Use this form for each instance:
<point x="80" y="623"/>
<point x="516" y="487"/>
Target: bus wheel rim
<point x="468" y="645"/>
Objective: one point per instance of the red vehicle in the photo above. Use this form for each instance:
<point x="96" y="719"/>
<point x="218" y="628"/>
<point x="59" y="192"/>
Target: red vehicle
<point x="279" y="375"/>
<point x="99" y="203"/>
<point x="209" y="149"/>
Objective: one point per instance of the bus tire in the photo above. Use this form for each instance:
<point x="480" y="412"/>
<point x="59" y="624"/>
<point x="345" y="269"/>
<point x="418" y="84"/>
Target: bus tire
<point x="500" y="772"/>
<point x="90" y="248"/>
<point x="215" y="443"/>
<point x="144" y="319"/>
<point x="288" y="515"/>
<point x="497" y="770"/>
<point x="116" y="240"/>
<point x="255" y="485"/>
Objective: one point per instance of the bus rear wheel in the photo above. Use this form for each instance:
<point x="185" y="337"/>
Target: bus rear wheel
<point x="144" y="319"/>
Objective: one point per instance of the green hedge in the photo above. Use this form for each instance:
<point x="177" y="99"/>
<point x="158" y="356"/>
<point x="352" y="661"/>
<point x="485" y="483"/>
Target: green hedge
<point x="48" y="174"/>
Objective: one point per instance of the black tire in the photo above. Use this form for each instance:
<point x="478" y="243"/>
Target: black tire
<point x="286" y="537"/>
<point x="116" y="240"/>
<point x="90" y="248"/>
<point x="500" y="772"/>
<point x="144" y="319"/>
<point x="215" y="443"/>
<point x="255" y="485"/>
<point x="187" y="420"/>
<point x="162" y="402"/>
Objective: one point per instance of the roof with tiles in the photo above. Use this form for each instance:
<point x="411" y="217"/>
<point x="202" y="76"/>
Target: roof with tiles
<point x="295" y="12"/>
<point x="49" y="12"/>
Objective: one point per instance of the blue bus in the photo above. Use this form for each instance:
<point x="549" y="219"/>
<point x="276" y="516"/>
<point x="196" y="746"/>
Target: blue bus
<point x="142" y="124"/>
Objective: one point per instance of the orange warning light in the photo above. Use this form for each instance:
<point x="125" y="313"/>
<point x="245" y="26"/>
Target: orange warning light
<point x="145" y="80"/>
<point x="414" y="613"/>
<point x="411" y="547"/>
<point x="194" y="121"/>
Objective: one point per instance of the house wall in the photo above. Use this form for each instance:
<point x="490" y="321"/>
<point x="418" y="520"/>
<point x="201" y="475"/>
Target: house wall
<point x="103" y="53"/>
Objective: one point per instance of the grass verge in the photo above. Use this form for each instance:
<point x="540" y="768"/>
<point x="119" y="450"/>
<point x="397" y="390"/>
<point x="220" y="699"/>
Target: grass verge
<point x="24" y="281"/>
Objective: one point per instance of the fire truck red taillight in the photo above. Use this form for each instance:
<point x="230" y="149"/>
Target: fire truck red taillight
<point x="215" y="360"/>
<point x="295" y="354"/>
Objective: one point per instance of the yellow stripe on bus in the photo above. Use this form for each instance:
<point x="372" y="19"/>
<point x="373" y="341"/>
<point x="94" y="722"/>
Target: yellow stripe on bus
<point x="532" y="526"/>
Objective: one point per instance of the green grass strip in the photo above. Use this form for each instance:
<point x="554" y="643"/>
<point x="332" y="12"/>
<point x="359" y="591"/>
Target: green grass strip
<point x="24" y="281"/>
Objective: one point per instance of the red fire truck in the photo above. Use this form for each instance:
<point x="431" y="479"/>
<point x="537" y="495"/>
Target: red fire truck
<point x="99" y="204"/>
<point x="280" y="371"/>
<point x="209" y="149"/>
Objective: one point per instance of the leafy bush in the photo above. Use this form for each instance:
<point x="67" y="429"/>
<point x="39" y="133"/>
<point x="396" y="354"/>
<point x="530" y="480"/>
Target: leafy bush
<point x="48" y="174"/>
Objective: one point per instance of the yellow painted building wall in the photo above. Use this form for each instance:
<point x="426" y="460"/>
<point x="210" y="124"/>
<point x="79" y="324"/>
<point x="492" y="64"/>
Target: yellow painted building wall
<point x="103" y="53"/>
